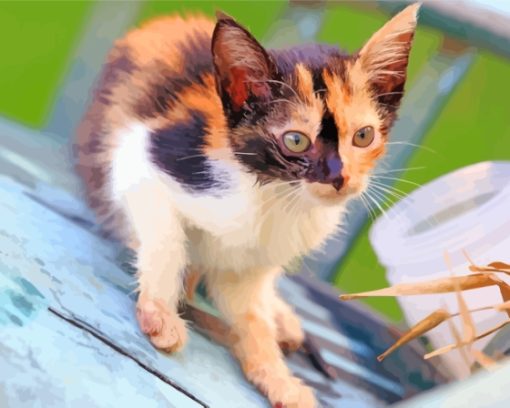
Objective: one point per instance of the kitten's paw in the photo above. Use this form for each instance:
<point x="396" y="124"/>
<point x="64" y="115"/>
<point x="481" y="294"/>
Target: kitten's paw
<point x="166" y="330"/>
<point x="279" y="386"/>
<point x="290" y="334"/>
<point x="293" y="394"/>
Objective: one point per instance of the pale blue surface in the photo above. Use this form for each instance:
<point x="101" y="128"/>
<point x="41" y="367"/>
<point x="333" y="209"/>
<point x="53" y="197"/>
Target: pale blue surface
<point x="49" y="363"/>
<point x="47" y="260"/>
<point x="51" y="256"/>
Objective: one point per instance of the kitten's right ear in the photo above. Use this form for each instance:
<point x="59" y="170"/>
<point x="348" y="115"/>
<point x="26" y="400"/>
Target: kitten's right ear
<point x="242" y="65"/>
<point x="385" y="56"/>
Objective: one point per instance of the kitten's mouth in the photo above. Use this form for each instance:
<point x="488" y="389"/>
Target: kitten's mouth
<point x="330" y="194"/>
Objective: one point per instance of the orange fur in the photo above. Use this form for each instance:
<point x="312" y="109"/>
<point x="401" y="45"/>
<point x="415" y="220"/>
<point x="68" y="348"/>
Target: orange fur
<point x="305" y="83"/>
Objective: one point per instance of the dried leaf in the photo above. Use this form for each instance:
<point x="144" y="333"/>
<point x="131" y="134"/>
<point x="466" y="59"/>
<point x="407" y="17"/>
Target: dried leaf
<point x="441" y="350"/>
<point x="493" y="330"/>
<point x="450" y="347"/>
<point x="492" y="267"/>
<point x="500" y="265"/>
<point x="484" y="276"/>
<point x="504" y="289"/>
<point x="484" y="360"/>
<point x="443" y="285"/>
<point x="468" y="257"/>
<point x="488" y="269"/>
<point x="469" y="331"/>
<point x="458" y="340"/>
<point x="423" y="326"/>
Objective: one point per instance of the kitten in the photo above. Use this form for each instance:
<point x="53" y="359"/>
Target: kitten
<point x="205" y="152"/>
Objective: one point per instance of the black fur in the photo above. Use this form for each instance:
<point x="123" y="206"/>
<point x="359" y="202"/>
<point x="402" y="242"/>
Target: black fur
<point x="178" y="150"/>
<point x="312" y="56"/>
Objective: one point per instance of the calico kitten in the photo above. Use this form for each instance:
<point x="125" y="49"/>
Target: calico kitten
<point x="205" y="152"/>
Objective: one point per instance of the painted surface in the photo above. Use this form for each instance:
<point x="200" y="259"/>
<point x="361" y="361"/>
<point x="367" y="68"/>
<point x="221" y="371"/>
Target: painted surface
<point x="69" y="334"/>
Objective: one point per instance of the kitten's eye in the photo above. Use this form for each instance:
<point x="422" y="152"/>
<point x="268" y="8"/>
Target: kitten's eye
<point x="363" y="137"/>
<point x="296" y="142"/>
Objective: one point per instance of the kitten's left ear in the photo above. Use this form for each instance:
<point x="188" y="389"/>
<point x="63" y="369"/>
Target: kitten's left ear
<point x="242" y="65"/>
<point x="385" y="56"/>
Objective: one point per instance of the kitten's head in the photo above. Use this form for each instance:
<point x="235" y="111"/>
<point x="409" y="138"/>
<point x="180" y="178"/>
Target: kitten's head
<point x="312" y="114"/>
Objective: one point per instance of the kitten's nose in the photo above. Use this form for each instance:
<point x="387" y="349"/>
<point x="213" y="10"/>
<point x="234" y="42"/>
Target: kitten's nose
<point x="338" y="183"/>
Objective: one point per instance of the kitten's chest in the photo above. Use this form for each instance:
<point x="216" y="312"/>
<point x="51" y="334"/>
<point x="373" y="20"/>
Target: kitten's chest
<point x="248" y="230"/>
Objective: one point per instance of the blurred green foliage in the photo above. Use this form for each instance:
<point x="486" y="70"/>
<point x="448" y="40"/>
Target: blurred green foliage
<point x="255" y="15"/>
<point x="36" y="41"/>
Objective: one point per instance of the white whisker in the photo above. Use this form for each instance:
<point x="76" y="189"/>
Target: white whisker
<point x="389" y="190"/>
<point x="399" y="179"/>
<point x="194" y="156"/>
<point x="274" y="81"/>
<point x="367" y="206"/>
<point x="397" y="170"/>
<point x="245" y="154"/>
<point x="386" y="197"/>
<point x="414" y="145"/>
<point x="283" y="100"/>
<point x="376" y="203"/>
<point x="389" y="93"/>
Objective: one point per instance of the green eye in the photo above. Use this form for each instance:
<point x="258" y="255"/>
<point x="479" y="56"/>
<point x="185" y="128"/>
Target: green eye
<point x="296" y="142"/>
<point x="363" y="137"/>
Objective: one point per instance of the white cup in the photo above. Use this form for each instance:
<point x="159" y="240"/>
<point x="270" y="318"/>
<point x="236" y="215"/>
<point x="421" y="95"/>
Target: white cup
<point x="466" y="210"/>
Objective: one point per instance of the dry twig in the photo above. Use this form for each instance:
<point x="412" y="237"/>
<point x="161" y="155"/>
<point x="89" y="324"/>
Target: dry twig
<point x="484" y="276"/>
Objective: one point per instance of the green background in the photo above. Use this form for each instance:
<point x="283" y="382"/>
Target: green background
<point x="37" y="39"/>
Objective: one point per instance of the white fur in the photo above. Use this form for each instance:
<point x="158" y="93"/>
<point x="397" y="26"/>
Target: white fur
<point x="244" y="228"/>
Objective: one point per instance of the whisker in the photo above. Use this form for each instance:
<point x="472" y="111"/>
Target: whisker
<point x="367" y="206"/>
<point x="389" y="93"/>
<point x="397" y="170"/>
<point x="292" y="183"/>
<point x="278" y="194"/>
<point x="293" y="201"/>
<point x="282" y="100"/>
<point x="414" y="145"/>
<point x="289" y="205"/>
<point x="387" y="197"/>
<point x="376" y="204"/>
<point x="390" y="190"/>
<point x="273" y="202"/>
<point x="384" y="200"/>
<point x="194" y="156"/>
<point x="399" y="179"/>
<point x="389" y="187"/>
<point x="274" y="81"/>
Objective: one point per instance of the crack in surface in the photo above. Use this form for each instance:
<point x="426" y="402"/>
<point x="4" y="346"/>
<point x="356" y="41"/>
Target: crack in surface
<point x="85" y="327"/>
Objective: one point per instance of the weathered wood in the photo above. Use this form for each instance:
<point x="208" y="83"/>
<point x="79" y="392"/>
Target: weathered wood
<point x="76" y="273"/>
<point x="60" y="269"/>
<point x="46" y="362"/>
<point x="482" y="390"/>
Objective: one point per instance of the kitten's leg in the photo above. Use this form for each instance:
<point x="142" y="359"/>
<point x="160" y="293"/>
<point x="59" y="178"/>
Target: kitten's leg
<point x="161" y="259"/>
<point x="246" y="303"/>
<point x="289" y="333"/>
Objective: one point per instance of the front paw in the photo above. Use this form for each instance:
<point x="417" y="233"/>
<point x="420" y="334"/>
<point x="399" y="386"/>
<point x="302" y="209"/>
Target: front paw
<point x="289" y="333"/>
<point x="293" y="394"/>
<point x="166" y="330"/>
